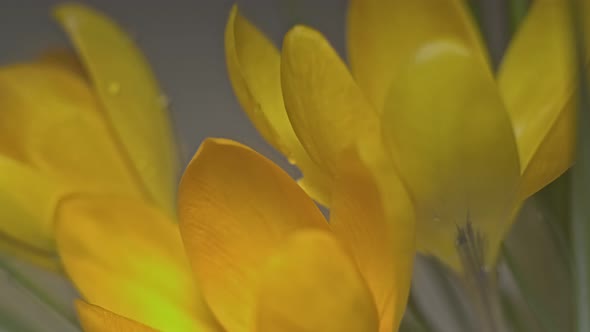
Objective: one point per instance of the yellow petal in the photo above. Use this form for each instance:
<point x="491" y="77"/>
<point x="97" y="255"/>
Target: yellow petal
<point x="382" y="238"/>
<point x="253" y="64"/>
<point x="326" y="108"/>
<point x="127" y="257"/>
<point x="51" y="120"/>
<point x="235" y="206"/>
<point x="453" y="145"/>
<point x="130" y="96"/>
<point x="539" y="93"/>
<point x="383" y="34"/>
<point x="96" y="319"/>
<point x="311" y="284"/>
<point x="27" y="207"/>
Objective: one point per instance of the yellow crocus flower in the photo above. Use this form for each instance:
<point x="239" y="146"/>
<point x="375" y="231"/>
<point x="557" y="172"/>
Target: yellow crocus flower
<point x="261" y="252"/>
<point x="469" y="147"/>
<point x="92" y="123"/>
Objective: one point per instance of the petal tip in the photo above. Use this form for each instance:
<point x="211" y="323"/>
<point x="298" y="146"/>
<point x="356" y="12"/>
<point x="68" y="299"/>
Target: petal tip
<point x="301" y="32"/>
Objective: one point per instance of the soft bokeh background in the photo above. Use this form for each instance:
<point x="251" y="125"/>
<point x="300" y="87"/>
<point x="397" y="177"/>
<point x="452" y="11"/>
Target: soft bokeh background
<point x="183" y="40"/>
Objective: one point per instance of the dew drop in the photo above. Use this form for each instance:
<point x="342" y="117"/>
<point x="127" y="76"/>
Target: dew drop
<point x="163" y="101"/>
<point x="114" y="88"/>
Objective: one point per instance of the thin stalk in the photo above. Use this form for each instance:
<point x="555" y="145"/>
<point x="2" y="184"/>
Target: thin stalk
<point x="517" y="10"/>
<point x="536" y="308"/>
<point x="445" y="284"/>
<point x="418" y="314"/>
<point x="480" y="281"/>
<point x="8" y="322"/>
<point x="580" y="216"/>
<point x="38" y="293"/>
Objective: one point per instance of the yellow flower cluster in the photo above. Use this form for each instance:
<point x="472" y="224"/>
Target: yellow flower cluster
<point x="415" y="138"/>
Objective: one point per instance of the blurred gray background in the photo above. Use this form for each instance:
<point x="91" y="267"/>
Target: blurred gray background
<point x="184" y="42"/>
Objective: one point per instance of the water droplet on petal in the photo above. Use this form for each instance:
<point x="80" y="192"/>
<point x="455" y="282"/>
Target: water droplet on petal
<point x="163" y="101"/>
<point x="114" y="88"/>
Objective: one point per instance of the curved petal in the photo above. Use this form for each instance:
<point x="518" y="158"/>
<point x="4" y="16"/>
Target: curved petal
<point x="96" y="319"/>
<point x="119" y="263"/>
<point x="51" y="120"/>
<point x="541" y="107"/>
<point x="310" y="284"/>
<point x="253" y="64"/>
<point x="130" y="96"/>
<point x="326" y="108"/>
<point x="384" y="34"/>
<point x="378" y="226"/>
<point x="27" y="207"/>
<point x="235" y="207"/>
<point x="453" y="145"/>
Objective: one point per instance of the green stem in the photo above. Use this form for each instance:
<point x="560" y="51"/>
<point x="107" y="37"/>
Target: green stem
<point x="540" y="313"/>
<point x="418" y="314"/>
<point x="517" y="10"/>
<point x="580" y="216"/>
<point x="38" y="293"/>
<point x="445" y="284"/>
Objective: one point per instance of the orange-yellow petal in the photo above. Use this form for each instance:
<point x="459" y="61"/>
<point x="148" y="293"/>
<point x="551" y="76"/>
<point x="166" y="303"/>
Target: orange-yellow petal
<point x="235" y="207"/>
<point x="326" y="108"/>
<point x="51" y="120"/>
<point x="453" y="145"/>
<point x="96" y="319"/>
<point x="373" y="216"/>
<point x="311" y="284"/>
<point x="130" y="96"/>
<point x="384" y="34"/>
<point x="253" y="64"/>
<point x="27" y="206"/>
<point x="128" y="257"/>
<point x="539" y="93"/>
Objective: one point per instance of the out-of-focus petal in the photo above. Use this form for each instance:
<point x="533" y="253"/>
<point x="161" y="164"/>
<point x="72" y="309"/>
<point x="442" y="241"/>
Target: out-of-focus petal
<point x="130" y="96"/>
<point x="65" y="59"/>
<point x="253" y="64"/>
<point x="27" y="207"/>
<point x="96" y="319"/>
<point x="538" y="81"/>
<point x="327" y="109"/>
<point x="453" y="145"/>
<point x="383" y="34"/>
<point x="373" y="215"/>
<point x="51" y="120"/>
<point x="311" y="284"/>
<point x="235" y="207"/>
<point x="128" y="257"/>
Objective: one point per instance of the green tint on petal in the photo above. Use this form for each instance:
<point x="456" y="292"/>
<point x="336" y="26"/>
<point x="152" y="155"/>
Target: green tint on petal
<point x="128" y="257"/>
<point x="453" y="145"/>
<point x="130" y="96"/>
<point x="27" y="204"/>
<point x="97" y="319"/>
